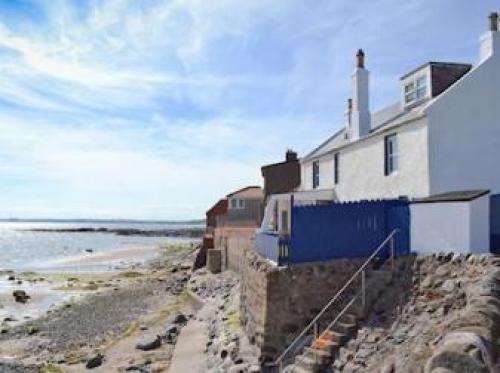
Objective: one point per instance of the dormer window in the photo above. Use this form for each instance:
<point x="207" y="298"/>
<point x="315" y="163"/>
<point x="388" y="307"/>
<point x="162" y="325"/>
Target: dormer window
<point x="430" y="80"/>
<point x="416" y="89"/>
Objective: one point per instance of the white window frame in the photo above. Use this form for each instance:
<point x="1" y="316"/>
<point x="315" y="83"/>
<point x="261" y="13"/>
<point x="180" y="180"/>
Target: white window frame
<point x="392" y="154"/>
<point x="315" y="175"/>
<point x="416" y="89"/>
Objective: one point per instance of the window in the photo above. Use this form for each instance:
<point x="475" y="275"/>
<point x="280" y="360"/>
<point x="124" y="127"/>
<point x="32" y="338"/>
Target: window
<point x="237" y="203"/>
<point x="416" y="89"/>
<point x="336" y="168"/>
<point x="391" y="154"/>
<point x="315" y="174"/>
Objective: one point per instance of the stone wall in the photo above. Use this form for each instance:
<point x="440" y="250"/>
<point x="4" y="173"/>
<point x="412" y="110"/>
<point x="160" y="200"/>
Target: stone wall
<point x="234" y="242"/>
<point x="278" y="302"/>
<point x="214" y="260"/>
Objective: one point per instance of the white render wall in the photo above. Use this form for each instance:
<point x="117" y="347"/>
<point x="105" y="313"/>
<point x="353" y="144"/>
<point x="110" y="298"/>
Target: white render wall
<point x="361" y="167"/>
<point x="464" y="132"/>
<point x="480" y="224"/>
<point x="460" y="227"/>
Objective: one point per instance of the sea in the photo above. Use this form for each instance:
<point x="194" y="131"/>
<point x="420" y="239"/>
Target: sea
<point x="22" y="249"/>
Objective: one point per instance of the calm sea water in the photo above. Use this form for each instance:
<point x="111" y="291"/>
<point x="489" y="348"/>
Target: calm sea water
<point x="24" y="250"/>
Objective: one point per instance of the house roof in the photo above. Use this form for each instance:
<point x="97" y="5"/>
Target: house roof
<point x="389" y="117"/>
<point x="252" y="192"/>
<point x="456" y="196"/>
<point x="438" y="64"/>
<point x="218" y="208"/>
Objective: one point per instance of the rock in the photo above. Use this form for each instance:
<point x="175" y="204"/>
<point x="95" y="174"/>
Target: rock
<point x="448" y="286"/>
<point x="427" y="282"/>
<point x="180" y="319"/>
<point x="461" y="352"/>
<point x="148" y="346"/>
<point x="388" y="368"/>
<point x="94" y="362"/>
<point x="20" y="296"/>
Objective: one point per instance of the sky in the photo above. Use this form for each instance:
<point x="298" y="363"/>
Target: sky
<point x="154" y="109"/>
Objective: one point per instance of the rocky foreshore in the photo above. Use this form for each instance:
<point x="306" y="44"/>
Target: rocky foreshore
<point x="128" y="322"/>
<point x="170" y="232"/>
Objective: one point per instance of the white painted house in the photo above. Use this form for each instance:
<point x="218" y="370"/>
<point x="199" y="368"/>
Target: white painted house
<point x="441" y="136"/>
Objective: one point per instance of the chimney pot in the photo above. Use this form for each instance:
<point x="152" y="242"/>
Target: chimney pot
<point x="360" y="59"/>
<point x="290" y="156"/>
<point x="493" y="21"/>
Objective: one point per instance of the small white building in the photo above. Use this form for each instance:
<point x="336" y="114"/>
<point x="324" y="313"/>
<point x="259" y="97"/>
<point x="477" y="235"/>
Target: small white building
<point x="451" y="222"/>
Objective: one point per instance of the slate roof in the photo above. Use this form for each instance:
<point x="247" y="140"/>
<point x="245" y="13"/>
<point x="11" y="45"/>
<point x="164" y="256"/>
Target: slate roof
<point x="456" y="196"/>
<point x="391" y="116"/>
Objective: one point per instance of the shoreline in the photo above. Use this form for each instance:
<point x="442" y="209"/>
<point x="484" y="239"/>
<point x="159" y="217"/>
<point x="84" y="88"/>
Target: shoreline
<point x="170" y="232"/>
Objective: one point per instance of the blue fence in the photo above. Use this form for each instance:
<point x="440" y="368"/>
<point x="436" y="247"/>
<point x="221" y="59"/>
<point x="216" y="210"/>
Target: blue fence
<point x="347" y="230"/>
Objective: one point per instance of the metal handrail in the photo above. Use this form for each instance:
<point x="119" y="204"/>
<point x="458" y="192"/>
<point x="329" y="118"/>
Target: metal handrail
<point x="361" y="269"/>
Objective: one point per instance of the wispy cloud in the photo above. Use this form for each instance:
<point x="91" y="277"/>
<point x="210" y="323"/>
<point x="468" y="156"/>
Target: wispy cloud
<point x="153" y="109"/>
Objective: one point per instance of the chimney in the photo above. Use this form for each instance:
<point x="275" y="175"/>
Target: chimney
<point x="490" y="41"/>
<point x="290" y="156"/>
<point x="360" y="117"/>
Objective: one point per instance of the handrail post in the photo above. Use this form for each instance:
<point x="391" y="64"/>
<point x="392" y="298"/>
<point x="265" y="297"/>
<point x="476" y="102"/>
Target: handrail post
<point x="363" y="290"/>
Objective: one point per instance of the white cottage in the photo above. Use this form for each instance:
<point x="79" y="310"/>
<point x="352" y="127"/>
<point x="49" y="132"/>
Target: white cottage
<point x="442" y="135"/>
<point x="438" y="143"/>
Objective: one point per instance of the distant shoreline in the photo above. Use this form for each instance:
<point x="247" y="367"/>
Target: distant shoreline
<point x="169" y="232"/>
<point x="107" y="221"/>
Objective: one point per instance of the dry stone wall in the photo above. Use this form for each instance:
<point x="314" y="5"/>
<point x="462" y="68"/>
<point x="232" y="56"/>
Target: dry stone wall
<point x="278" y="302"/>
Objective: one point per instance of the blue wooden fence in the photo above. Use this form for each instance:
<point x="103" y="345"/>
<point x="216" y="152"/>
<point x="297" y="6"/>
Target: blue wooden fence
<point x="347" y="230"/>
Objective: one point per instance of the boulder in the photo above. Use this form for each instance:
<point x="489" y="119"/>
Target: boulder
<point x="180" y="319"/>
<point x="94" y="361"/>
<point x="150" y="345"/>
<point x="461" y="352"/>
<point x="20" y="296"/>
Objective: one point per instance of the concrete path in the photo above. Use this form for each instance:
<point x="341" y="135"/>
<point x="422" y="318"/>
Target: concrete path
<point x="189" y="353"/>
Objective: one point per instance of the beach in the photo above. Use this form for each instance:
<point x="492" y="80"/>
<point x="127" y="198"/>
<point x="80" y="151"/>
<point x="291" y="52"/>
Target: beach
<point x="71" y="316"/>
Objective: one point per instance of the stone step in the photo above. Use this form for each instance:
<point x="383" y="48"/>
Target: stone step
<point x="349" y="318"/>
<point x="327" y="345"/>
<point x="334" y="336"/>
<point x="297" y="369"/>
<point x="343" y="328"/>
<point x="313" y="365"/>
<point x="321" y="355"/>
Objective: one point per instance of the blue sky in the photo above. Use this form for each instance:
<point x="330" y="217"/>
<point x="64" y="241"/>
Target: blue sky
<point x="154" y="109"/>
